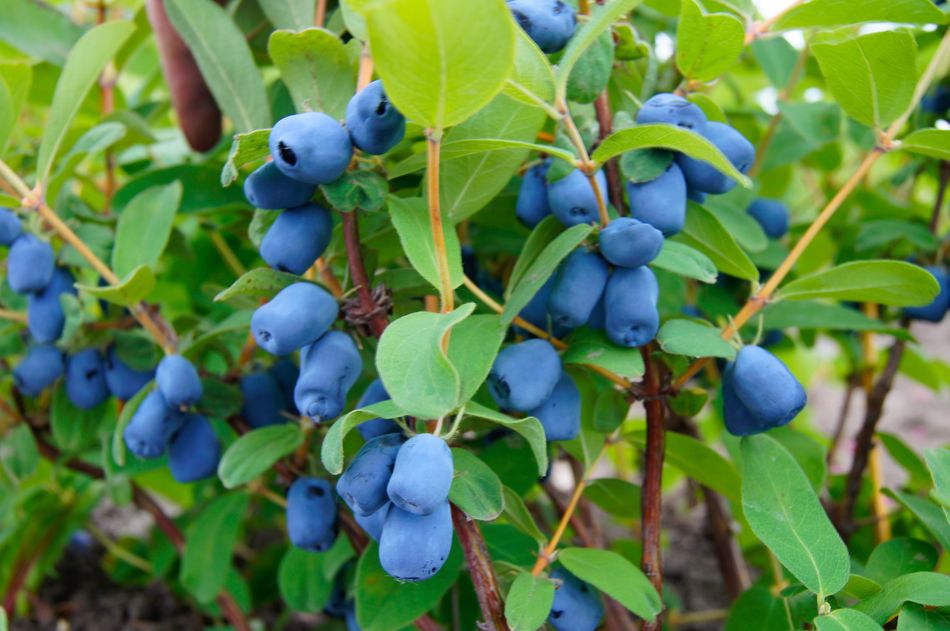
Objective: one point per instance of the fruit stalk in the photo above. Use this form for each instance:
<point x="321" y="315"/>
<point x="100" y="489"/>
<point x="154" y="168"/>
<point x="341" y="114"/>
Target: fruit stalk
<point x="476" y="556"/>
<point x="651" y="498"/>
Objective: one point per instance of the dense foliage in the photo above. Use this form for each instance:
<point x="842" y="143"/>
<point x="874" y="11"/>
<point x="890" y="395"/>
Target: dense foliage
<point x="565" y="268"/>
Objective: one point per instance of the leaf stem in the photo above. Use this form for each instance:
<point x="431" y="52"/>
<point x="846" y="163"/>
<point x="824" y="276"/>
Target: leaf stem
<point x="15" y="316"/>
<point x="433" y="148"/>
<point x="230" y="258"/>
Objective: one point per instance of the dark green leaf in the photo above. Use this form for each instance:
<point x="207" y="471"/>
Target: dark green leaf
<point x="694" y="339"/>
<point x="591" y="347"/>
<point x="528" y="427"/>
<point x="476" y="489"/>
<point x="615" y="576"/>
<point x="144" y="228"/>
<point x="893" y="283"/>
<point x="617" y="497"/>
<point x="923" y="588"/>
<point x="301" y="580"/>
<point x="529" y="602"/>
<point x="256" y="452"/>
<point x="209" y="543"/>
<point x="705" y="232"/>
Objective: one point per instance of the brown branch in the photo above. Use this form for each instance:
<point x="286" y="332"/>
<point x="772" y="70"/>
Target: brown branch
<point x="368" y="305"/>
<point x="483" y="574"/>
<point x="612" y="167"/>
<point x="941" y="195"/>
<point x="865" y="438"/>
<point x="853" y="382"/>
<point x="652" y="491"/>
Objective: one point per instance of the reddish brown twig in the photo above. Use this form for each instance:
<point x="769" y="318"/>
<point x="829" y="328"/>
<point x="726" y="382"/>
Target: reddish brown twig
<point x="480" y="567"/>
<point x="853" y="382"/>
<point x="368" y="305"/>
<point x="652" y="491"/>
<point x="612" y="167"/>
<point x="941" y="195"/>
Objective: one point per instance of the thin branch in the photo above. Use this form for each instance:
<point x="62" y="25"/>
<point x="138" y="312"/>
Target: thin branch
<point x="652" y="489"/>
<point x="941" y="195"/>
<point x="433" y="150"/>
<point x="483" y="574"/>
<point x="368" y="306"/>
<point x="612" y="167"/>
<point x="853" y="382"/>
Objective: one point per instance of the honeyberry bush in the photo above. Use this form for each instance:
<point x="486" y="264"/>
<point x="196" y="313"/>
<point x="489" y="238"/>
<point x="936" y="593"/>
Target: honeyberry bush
<point x="446" y="257"/>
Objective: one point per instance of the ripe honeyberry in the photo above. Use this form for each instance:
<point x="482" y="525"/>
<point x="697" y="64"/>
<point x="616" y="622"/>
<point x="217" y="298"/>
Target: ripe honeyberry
<point x="45" y="311"/>
<point x="701" y="176"/>
<point x="670" y="109"/>
<point x="572" y="198"/>
<point x="422" y="475"/>
<point x="414" y="547"/>
<point x="532" y="205"/>
<point x="30" y="264"/>
<point x="772" y="216"/>
<point x="268" y="188"/>
<point x="311" y="514"/>
<point x="576" y="606"/>
<point x="328" y="369"/>
<point x="524" y="375"/>
<point x="152" y="426"/>
<point x="627" y="242"/>
<point x="285" y="371"/>
<point x="297" y="316"/>
<point x="124" y="381"/>
<point x="560" y="414"/>
<point x="372" y="524"/>
<point x="375" y="393"/>
<point x="660" y="202"/>
<point x="297" y="238"/>
<point x="632" y="318"/>
<point x="85" y="379"/>
<point x="39" y="369"/>
<point x="363" y="485"/>
<point x="310" y="147"/>
<point x="769" y="394"/>
<point x="10" y="227"/>
<point x="937" y="309"/>
<point x="550" y="23"/>
<point x="578" y="285"/>
<point x="178" y="381"/>
<point x="262" y="401"/>
<point x="374" y="124"/>
<point x="194" y="450"/>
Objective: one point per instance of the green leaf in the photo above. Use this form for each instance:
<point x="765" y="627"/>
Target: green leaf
<point x="899" y="556"/>
<point x="361" y="189"/>
<point x="410" y="217"/>
<point x="8" y="114"/>
<point x="545" y="232"/>
<point x="85" y="62"/>
<point x="708" y="44"/>
<point x="938" y="460"/>
<point x="245" y="148"/>
<point x="39" y="30"/>
<point x="645" y="165"/>
<point x="685" y="261"/>
<point x="829" y="13"/>
<point x="846" y="620"/>
<point x="698" y="461"/>
<point x="893" y="283"/>
<point x="915" y="618"/>
<point x="934" y="143"/>
<point x="410" y="348"/>
<point x="261" y="282"/>
<point x="519" y="516"/>
<point x="18" y="453"/>
<point x="590" y="347"/>
<point x="225" y="60"/>
<point x="532" y="80"/>
<point x="289" y="14"/>
<point x="528" y="602"/>
<point x="808" y="314"/>
<point x="617" y="497"/>
<point x="134" y="288"/>
<point x="301" y="580"/>
<point x="615" y="576"/>
<point x="256" y="451"/>
<point x="930" y="515"/>
<point x="144" y="228"/>
<point x="907" y="458"/>
<point x="385" y="604"/>
<point x="474" y="344"/>
<point x="923" y="588"/>
<point x="476" y="489"/>
<point x="528" y="427"/>
<point x="125" y="417"/>
<point x="316" y="69"/>
<point x="872" y="76"/>
<point x="743" y="227"/>
<point x="667" y="137"/>
<point x="602" y="18"/>
<point x="693" y="339"/>
<point x="592" y="71"/>
<point x="758" y="607"/>
<point x="331" y="451"/>
<point x="541" y="269"/>
<point x="472" y="146"/>
<point x="209" y="542"/>
<point x="704" y="232"/>
<point x="784" y="512"/>
<point x="438" y="70"/>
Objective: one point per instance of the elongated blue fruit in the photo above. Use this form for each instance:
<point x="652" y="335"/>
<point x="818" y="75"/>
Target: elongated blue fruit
<point x="30" y="264"/>
<point x="262" y="400"/>
<point x="328" y="369"/>
<point x="374" y="124"/>
<point x="532" y="205"/>
<point x="576" y="606"/>
<point x="414" y="547"/>
<point x="524" y="375"/>
<point x="363" y="485"/>
<point x="39" y="369"/>
<point x="310" y="147"/>
<point x="737" y="417"/>
<point x="10" y="227"/>
<point x="702" y="176"/>
<point x="311" y="514"/>
<point x="572" y="198"/>
<point x="297" y="238"/>
<point x="269" y="189"/>
<point x="372" y="524"/>
<point x="194" y="450"/>
<point x="375" y="393"/>
<point x="670" y="109"/>
<point x="578" y="285"/>
<point x="627" y="242"/>
<point x="45" y="312"/>
<point x="297" y="316"/>
<point x="550" y="23"/>
<point x="769" y="393"/>
<point x="536" y="311"/>
<point x="286" y="372"/>
<point x="422" y="475"/>
<point x="632" y="318"/>
<point x="772" y="215"/>
<point x="178" y="381"/>
<point x="85" y="379"/>
<point x="937" y="309"/>
<point x="124" y="381"/>
<point x="661" y="202"/>
<point x="152" y="426"/>
<point x="560" y="414"/>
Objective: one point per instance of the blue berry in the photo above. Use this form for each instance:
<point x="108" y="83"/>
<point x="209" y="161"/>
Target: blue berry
<point x="297" y="238"/>
<point x="374" y="124"/>
<point x="310" y="147"/>
<point x="268" y="188"/>
<point x="297" y="316"/>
